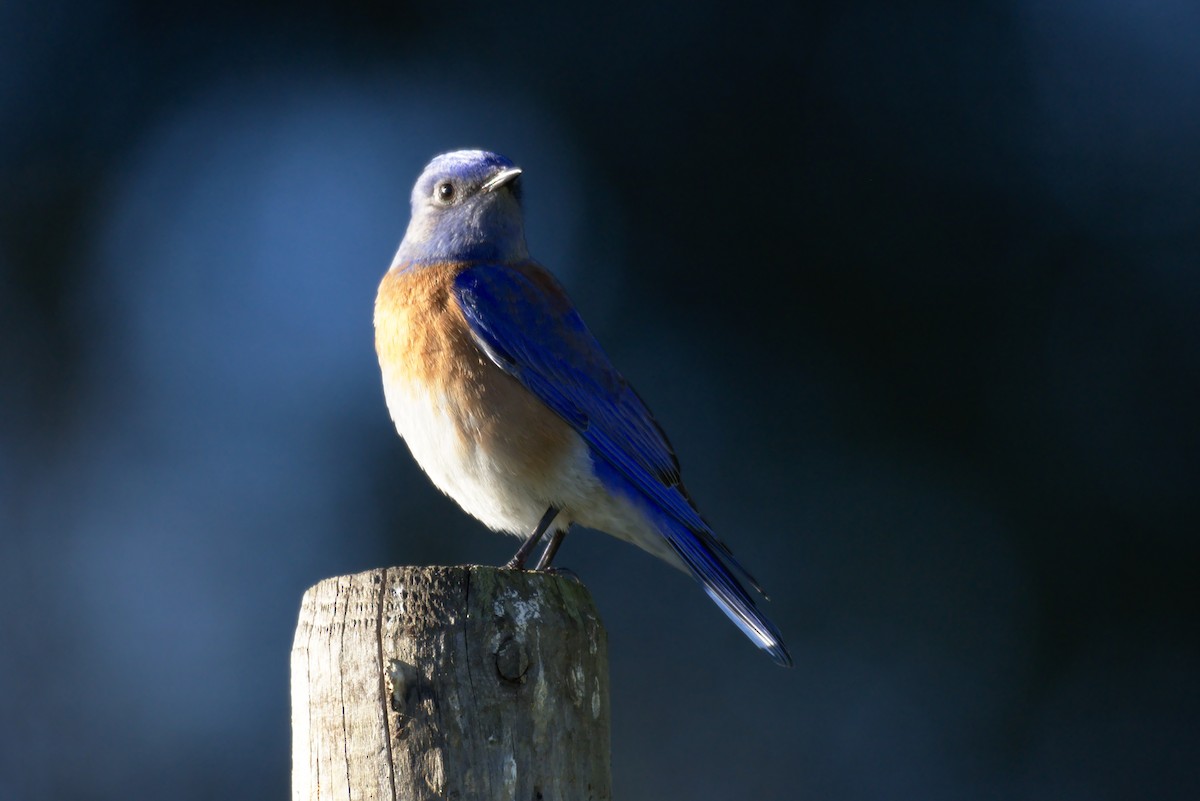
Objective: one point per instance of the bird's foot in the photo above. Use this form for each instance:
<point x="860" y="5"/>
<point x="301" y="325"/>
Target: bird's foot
<point x="522" y="554"/>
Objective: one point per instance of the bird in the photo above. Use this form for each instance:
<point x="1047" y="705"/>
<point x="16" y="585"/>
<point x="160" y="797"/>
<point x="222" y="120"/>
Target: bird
<point x="510" y="406"/>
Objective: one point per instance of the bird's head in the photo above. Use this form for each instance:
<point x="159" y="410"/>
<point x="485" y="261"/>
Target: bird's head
<point x="466" y="206"/>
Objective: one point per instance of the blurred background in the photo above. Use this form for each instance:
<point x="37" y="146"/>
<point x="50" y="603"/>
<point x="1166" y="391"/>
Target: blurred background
<point x="915" y="290"/>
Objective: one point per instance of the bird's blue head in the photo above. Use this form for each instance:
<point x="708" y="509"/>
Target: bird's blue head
<point x="466" y="206"/>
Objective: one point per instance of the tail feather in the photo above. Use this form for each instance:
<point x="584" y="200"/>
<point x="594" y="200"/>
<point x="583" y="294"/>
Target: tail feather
<point x="725" y="590"/>
<point x="695" y="547"/>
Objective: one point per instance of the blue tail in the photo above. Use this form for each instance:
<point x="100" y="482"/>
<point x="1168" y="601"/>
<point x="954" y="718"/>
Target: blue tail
<point x="706" y="558"/>
<point x="721" y="585"/>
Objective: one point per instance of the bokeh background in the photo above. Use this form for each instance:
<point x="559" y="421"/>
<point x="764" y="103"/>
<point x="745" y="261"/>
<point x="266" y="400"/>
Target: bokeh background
<point x="915" y="289"/>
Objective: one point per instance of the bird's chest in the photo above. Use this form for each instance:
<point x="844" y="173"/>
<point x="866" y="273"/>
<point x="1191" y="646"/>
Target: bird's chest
<point x="481" y="437"/>
<point x="434" y="377"/>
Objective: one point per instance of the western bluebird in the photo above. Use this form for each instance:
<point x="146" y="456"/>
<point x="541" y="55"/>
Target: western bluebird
<point x="507" y="401"/>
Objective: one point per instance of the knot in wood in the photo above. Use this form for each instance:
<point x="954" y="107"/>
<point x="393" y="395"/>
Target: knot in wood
<point x="512" y="661"/>
<point x="402" y="679"/>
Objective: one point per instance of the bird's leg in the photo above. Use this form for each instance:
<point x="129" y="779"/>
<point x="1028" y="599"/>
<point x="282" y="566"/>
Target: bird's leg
<point x="556" y="540"/>
<point x="518" y="560"/>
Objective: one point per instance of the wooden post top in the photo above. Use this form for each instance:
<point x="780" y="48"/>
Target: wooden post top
<point x="450" y="682"/>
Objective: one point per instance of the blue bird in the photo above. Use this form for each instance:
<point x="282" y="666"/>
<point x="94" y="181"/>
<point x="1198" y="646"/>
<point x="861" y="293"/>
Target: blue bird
<point x="509" y="404"/>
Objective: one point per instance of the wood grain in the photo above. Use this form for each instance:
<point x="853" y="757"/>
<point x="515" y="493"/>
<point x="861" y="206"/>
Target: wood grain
<point x="450" y="683"/>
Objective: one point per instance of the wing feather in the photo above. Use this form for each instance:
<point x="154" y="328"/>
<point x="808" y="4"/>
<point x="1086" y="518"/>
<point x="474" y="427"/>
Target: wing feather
<point x="522" y="319"/>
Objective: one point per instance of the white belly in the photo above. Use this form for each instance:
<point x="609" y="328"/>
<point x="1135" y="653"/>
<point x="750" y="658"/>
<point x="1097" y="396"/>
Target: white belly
<point x="451" y="449"/>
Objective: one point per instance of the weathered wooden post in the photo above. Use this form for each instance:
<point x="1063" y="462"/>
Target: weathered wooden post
<point x="450" y="683"/>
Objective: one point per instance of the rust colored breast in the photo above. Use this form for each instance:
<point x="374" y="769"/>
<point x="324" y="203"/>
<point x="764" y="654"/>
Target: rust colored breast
<point x="428" y="354"/>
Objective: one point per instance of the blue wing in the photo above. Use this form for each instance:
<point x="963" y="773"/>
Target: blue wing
<point x="524" y="322"/>
<point x="521" y="318"/>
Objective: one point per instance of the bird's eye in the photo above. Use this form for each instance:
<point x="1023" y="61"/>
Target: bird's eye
<point x="445" y="192"/>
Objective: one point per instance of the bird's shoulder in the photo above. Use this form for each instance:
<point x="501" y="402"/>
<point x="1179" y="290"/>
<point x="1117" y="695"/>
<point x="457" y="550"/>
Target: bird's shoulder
<point x="524" y="288"/>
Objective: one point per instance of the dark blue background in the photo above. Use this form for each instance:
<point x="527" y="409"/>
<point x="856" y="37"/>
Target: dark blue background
<point x="914" y="289"/>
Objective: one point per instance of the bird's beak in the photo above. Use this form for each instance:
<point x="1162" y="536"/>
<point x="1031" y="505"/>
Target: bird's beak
<point x="501" y="178"/>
